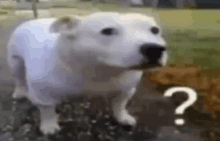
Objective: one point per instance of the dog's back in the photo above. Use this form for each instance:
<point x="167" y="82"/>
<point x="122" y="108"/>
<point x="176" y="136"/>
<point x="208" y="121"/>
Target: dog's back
<point x="32" y="34"/>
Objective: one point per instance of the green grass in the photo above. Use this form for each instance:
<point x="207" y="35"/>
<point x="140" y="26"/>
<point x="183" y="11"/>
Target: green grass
<point x="193" y="35"/>
<point x="9" y="8"/>
<point x="3" y="13"/>
<point x="203" y="51"/>
<point x="63" y="6"/>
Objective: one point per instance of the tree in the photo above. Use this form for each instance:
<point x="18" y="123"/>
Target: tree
<point x="152" y="3"/>
<point x="34" y="8"/>
<point x="191" y="3"/>
<point x="182" y="3"/>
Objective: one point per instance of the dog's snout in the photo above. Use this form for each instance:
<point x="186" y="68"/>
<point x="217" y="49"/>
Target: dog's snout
<point x="152" y="52"/>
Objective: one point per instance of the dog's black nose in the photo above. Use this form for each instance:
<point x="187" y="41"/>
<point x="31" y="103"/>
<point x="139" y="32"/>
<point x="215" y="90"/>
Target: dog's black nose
<point x="152" y="52"/>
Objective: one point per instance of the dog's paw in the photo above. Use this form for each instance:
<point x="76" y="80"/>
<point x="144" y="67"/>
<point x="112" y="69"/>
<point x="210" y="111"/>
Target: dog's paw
<point x="19" y="93"/>
<point x="126" y="119"/>
<point x="49" y="127"/>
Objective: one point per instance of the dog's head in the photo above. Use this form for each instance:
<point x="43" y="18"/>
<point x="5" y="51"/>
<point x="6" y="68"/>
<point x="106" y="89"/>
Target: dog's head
<point x="131" y="41"/>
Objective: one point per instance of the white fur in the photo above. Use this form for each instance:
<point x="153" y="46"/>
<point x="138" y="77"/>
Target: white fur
<point x="49" y="59"/>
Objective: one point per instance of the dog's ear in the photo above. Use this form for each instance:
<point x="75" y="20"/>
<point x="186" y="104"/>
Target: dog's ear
<point x="66" y="24"/>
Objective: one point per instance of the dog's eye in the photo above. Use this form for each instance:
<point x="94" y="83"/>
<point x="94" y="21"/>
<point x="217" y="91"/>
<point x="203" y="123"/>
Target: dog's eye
<point x="108" y="31"/>
<point x="155" y="30"/>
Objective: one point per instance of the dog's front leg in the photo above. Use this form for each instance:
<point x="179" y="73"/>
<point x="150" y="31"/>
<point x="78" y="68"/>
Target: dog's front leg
<point x="119" y="107"/>
<point x="49" y="119"/>
<point x="128" y="82"/>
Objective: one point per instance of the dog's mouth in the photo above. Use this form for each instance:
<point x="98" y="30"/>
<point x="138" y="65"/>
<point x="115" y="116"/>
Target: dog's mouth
<point x="148" y="66"/>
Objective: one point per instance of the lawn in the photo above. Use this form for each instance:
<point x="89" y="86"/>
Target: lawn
<point x="193" y="36"/>
<point x="3" y="13"/>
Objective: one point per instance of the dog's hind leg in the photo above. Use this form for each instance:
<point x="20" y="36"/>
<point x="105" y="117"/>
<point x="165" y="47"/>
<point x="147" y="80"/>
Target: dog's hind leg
<point x="17" y="68"/>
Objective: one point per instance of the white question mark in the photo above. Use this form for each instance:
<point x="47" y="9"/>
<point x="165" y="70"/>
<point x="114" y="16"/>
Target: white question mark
<point x="192" y="97"/>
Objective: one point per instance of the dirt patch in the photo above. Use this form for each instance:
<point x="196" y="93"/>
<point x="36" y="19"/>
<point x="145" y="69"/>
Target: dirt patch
<point x="206" y="81"/>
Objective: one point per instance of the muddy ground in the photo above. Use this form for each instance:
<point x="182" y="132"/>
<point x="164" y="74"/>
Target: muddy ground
<point x="155" y="113"/>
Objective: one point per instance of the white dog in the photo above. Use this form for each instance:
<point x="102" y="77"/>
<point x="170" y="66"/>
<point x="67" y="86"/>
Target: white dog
<point x="99" y="53"/>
